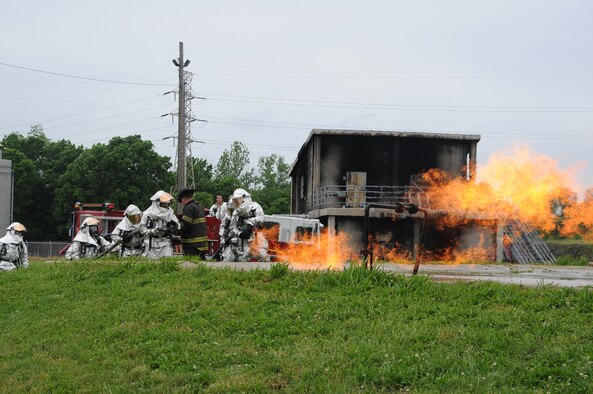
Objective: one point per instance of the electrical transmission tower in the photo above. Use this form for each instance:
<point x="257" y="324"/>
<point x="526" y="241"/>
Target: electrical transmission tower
<point x="184" y="161"/>
<point x="189" y="118"/>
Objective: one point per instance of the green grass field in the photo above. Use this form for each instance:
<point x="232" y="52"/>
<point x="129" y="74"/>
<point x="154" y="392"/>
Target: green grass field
<point x="142" y="326"/>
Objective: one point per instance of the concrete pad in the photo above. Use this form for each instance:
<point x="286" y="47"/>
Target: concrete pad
<point x="526" y="275"/>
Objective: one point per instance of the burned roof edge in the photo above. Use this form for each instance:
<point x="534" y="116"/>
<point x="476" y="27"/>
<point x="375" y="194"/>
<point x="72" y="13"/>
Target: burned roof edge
<point x="393" y="133"/>
<point x="388" y="133"/>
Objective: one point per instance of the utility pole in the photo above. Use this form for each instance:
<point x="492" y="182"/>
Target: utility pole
<point x="182" y="124"/>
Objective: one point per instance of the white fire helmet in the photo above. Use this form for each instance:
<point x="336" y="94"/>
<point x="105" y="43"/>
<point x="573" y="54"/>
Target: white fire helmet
<point x="166" y="197"/>
<point x="162" y="196"/>
<point x="239" y="195"/>
<point x="162" y="200"/>
<point x="90" y="221"/>
<point x="16" y="227"/>
<point x="133" y="213"/>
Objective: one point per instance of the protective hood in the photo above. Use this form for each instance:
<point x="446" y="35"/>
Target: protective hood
<point x="157" y="195"/>
<point x="85" y="236"/>
<point x="230" y="207"/>
<point x="16" y="226"/>
<point x="247" y="208"/>
<point x="156" y="211"/>
<point x="11" y="238"/>
<point x="125" y="224"/>
<point x="132" y="210"/>
<point x="241" y="193"/>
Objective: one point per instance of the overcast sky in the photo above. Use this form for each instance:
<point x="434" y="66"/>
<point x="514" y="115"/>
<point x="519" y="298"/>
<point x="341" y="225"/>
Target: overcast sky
<point x="512" y="71"/>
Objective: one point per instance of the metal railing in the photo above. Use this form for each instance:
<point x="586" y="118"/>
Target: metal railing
<point x="340" y="196"/>
<point x="45" y="249"/>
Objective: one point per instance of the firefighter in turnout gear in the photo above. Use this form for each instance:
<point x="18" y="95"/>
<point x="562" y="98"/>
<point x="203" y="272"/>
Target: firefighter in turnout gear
<point x="88" y="242"/>
<point x="160" y="225"/>
<point x="128" y="233"/>
<point x="246" y="242"/>
<point x="13" y="251"/>
<point x="194" y="236"/>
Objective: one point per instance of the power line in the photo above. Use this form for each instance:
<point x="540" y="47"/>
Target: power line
<point x="141" y="133"/>
<point x="228" y="143"/>
<point x="106" y="128"/>
<point x="265" y="123"/>
<point x="107" y="117"/>
<point x="391" y="72"/>
<point x="293" y="125"/>
<point x="85" y="78"/>
<point x="80" y="113"/>
<point x="395" y="107"/>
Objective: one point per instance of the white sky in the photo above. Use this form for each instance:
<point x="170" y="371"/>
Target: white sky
<point x="512" y="71"/>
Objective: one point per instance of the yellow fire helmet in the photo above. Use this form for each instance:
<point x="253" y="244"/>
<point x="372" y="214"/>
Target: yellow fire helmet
<point x="90" y="221"/>
<point x="16" y="226"/>
<point x="166" y="197"/>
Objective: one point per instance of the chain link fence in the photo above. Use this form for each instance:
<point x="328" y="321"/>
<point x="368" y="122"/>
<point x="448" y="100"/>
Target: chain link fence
<point x="46" y="249"/>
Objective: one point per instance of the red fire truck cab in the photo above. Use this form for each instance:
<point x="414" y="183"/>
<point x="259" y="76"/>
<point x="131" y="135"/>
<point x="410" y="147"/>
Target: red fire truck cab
<point x="105" y="212"/>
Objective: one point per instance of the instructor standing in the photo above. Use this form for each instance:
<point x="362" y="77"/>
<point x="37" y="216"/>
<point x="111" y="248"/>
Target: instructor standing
<point x="193" y="225"/>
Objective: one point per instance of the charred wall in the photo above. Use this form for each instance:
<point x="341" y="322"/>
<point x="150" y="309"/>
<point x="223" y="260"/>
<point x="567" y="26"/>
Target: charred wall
<point x="300" y="184"/>
<point x="386" y="160"/>
<point x="399" y="237"/>
<point x="389" y="161"/>
<point x="373" y="155"/>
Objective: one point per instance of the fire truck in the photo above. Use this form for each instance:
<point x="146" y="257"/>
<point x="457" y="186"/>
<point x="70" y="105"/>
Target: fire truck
<point x="105" y="212"/>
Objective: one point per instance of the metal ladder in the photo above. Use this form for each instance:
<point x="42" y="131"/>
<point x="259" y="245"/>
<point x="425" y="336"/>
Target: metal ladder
<point x="527" y="246"/>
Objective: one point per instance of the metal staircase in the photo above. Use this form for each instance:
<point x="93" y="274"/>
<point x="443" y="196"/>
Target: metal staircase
<point x="525" y="245"/>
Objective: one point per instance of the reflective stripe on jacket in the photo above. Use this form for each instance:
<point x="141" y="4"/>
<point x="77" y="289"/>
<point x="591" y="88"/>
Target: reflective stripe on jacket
<point x="193" y="226"/>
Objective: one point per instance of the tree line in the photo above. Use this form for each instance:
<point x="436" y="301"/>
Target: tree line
<point x="50" y="176"/>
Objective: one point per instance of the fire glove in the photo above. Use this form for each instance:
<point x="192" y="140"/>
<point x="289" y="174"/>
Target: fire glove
<point x="246" y="233"/>
<point x="171" y="229"/>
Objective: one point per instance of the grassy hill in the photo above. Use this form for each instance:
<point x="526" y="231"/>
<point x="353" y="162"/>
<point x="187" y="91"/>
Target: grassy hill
<point x="142" y="326"/>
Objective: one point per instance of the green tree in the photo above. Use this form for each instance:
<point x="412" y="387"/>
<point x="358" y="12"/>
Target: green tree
<point x="37" y="163"/>
<point x="125" y="171"/>
<point x="28" y="188"/>
<point x="225" y="186"/>
<point x="273" y="184"/>
<point x="234" y="164"/>
<point x="204" y="181"/>
<point x="203" y="175"/>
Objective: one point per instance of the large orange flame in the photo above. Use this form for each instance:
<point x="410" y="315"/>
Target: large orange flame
<point x="325" y="250"/>
<point x="517" y="183"/>
<point x="579" y="218"/>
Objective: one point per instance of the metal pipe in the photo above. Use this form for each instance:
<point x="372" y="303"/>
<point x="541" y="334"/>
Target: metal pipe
<point x="423" y="241"/>
<point x="398" y="208"/>
<point x="368" y="251"/>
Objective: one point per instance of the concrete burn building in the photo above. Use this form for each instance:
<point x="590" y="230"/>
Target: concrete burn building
<point x="338" y="172"/>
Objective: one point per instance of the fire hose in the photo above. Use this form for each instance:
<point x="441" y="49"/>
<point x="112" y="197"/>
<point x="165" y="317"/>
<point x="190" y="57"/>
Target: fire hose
<point x="119" y="242"/>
